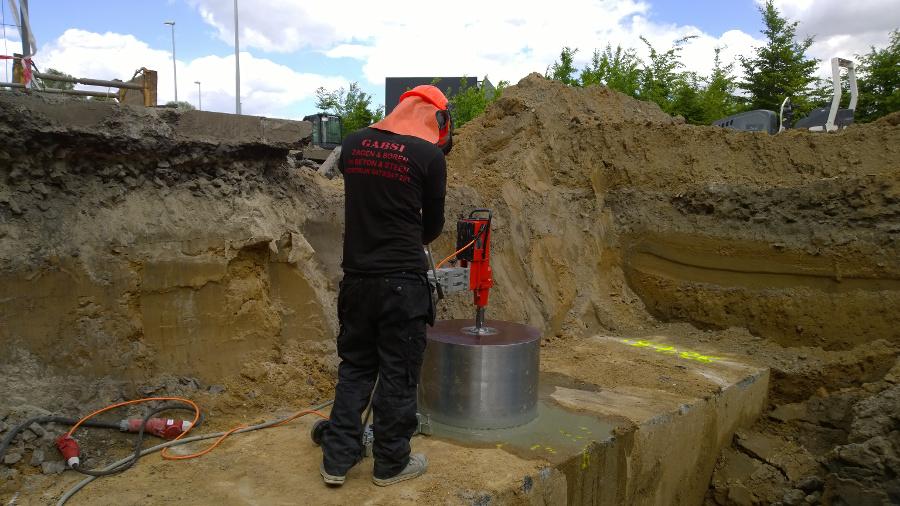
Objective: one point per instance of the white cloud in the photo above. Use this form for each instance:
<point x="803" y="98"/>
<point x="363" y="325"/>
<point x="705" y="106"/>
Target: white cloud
<point x="842" y="28"/>
<point x="503" y="40"/>
<point x="273" y="25"/>
<point x="267" y="88"/>
<point x="9" y="46"/>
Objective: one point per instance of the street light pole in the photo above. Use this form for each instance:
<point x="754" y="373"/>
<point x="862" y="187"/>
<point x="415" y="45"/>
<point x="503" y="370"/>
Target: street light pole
<point x="237" y="63"/>
<point x="174" y="64"/>
<point x="199" y="96"/>
<point x="27" y="50"/>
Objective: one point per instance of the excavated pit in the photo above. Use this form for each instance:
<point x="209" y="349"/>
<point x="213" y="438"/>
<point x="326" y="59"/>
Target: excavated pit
<point x="150" y="251"/>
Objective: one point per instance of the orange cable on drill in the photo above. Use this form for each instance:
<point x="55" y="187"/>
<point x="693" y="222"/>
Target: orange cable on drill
<point x="442" y="262"/>
<point x="164" y="453"/>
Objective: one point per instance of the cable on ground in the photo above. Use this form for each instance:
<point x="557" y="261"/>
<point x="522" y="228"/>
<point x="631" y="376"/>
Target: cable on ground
<point x="179" y="441"/>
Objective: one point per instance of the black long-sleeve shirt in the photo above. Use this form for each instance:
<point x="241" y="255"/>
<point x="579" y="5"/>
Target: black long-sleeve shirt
<point x="394" y="189"/>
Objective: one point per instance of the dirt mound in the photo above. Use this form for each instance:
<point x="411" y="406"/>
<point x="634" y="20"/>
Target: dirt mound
<point x="794" y="236"/>
<point x="892" y="119"/>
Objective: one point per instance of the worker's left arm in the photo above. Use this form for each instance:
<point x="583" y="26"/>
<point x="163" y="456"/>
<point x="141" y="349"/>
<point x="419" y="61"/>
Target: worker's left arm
<point x="433" y="199"/>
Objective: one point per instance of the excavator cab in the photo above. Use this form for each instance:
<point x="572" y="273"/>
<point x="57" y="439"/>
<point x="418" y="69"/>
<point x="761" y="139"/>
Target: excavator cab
<point x="327" y="130"/>
<point x="823" y="119"/>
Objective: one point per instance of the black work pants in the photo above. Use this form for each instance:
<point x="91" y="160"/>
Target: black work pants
<point x="382" y="334"/>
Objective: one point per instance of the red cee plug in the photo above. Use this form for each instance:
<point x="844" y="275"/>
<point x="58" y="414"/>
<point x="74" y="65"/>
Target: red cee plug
<point x="68" y="447"/>
<point x="160" y="427"/>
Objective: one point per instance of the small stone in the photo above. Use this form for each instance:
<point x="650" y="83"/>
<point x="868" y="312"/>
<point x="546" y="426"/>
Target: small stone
<point x="27" y="435"/>
<point x="37" y="429"/>
<point x="149" y="390"/>
<point x="814" y="498"/>
<point x="53" y="467"/>
<point x="794" y="497"/>
<point x="7" y="473"/>
<point x="810" y="484"/>
<point x="216" y="389"/>
<point x="12" y="458"/>
<point x="740" y="495"/>
<point x="789" y="412"/>
<point x="37" y="457"/>
<point x="41" y="188"/>
<point x="192" y="383"/>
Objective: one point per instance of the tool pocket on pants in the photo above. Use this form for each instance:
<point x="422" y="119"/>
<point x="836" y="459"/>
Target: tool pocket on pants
<point x="415" y="350"/>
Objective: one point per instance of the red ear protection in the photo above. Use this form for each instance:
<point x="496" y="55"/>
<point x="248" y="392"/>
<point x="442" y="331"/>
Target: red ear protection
<point x="435" y="97"/>
<point x="445" y="130"/>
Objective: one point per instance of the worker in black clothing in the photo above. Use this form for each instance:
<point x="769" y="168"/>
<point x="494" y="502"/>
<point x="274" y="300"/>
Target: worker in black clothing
<point x="394" y="186"/>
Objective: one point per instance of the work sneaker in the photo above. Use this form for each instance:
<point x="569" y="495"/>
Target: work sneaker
<point x="318" y="428"/>
<point x="418" y="464"/>
<point x="331" y="479"/>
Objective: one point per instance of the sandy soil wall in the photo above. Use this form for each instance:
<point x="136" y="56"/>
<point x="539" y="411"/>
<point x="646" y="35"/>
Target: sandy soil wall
<point x="136" y="243"/>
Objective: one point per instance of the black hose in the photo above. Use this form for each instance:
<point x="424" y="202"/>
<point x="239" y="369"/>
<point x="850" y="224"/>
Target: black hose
<point x="4" y="445"/>
<point x="190" y="439"/>
<point x="138" y="444"/>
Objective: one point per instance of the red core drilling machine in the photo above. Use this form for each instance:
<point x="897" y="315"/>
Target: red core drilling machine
<point x="473" y="251"/>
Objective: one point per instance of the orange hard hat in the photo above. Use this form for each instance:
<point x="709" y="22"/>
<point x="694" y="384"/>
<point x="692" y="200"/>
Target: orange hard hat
<point x="430" y="93"/>
<point x="434" y="96"/>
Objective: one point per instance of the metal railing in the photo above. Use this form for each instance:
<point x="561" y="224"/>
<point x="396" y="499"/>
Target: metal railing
<point x="143" y="81"/>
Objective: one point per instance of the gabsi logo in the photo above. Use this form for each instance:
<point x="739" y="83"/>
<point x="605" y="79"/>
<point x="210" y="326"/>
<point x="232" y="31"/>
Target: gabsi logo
<point x="393" y="146"/>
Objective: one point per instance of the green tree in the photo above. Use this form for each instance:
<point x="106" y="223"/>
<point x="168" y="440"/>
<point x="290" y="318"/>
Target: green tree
<point x="619" y="70"/>
<point x="687" y="98"/>
<point x="564" y="70"/>
<point x="662" y="79"/>
<point x="470" y="101"/>
<point x="780" y="68"/>
<point x="181" y="104"/>
<point x="879" y="81"/>
<point x="56" y="85"/>
<point x="718" y="99"/>
<point x="353" y="105"/>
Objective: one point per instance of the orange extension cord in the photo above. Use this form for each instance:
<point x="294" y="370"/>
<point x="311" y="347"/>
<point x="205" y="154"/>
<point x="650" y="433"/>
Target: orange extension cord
<point x="438" y="266"/>
<point x="218" y="441"/>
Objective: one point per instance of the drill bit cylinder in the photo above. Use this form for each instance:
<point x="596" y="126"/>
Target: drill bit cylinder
<point x="484" y="381"/>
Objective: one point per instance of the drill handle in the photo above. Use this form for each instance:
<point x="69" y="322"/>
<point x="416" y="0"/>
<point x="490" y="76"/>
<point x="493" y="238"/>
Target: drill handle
<point x="475" y="212"/>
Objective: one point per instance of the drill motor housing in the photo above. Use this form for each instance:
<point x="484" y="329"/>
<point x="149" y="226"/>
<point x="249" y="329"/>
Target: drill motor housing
<point x="477" y="256"/>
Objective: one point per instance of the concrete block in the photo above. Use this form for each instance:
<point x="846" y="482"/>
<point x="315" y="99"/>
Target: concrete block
<point x="217" y="127"/>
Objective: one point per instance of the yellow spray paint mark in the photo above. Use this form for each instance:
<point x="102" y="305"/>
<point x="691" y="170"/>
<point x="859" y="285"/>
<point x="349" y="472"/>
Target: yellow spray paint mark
<point x="671" y="350"/>
<point x="499" y="445"/>
<point x="535" y="447"/>
<point x="585" y="458"/>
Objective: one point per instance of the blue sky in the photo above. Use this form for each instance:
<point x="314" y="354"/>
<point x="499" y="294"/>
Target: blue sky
<point x="290" y="47"/>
